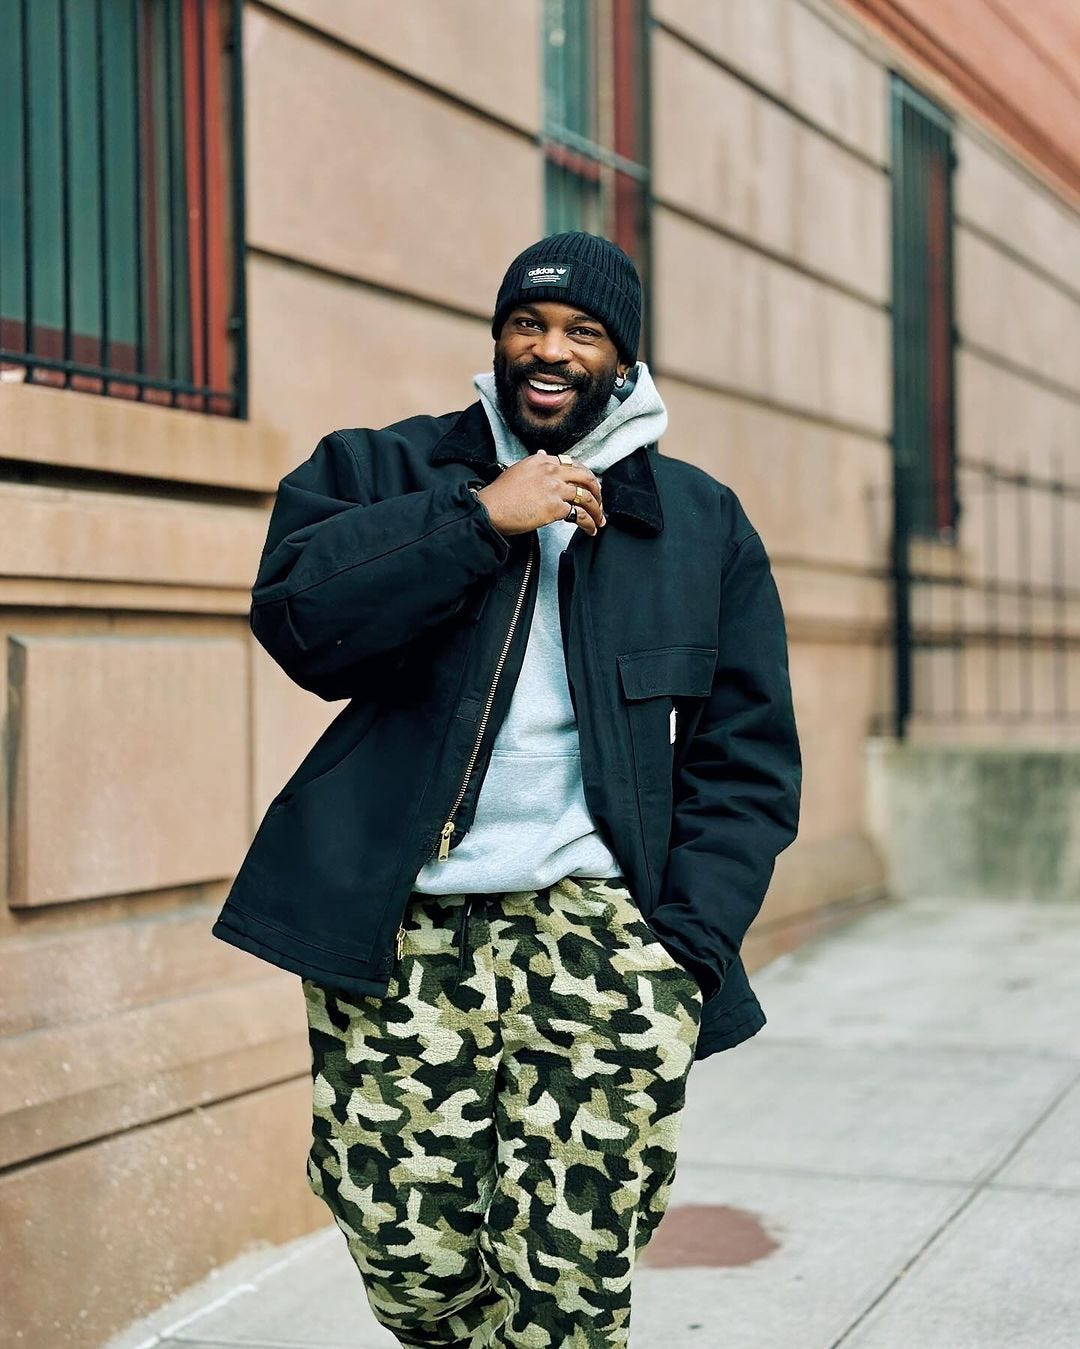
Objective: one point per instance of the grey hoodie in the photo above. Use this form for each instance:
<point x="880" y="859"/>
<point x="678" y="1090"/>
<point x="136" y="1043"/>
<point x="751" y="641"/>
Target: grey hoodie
<point x="532" y="826"/>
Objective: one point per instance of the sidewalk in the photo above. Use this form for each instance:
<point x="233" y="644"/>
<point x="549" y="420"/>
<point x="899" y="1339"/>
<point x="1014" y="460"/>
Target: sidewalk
<point x="893" y="1163"/>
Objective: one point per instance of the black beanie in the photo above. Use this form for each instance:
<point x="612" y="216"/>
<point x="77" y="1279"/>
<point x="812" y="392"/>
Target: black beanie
<point x="580" y="269"/>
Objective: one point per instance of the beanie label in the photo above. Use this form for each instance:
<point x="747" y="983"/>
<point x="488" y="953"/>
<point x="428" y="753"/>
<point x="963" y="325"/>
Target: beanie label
<point x="547" y="276"/>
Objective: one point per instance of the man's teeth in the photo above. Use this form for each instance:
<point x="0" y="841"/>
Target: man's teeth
<point x="548" y="388"/>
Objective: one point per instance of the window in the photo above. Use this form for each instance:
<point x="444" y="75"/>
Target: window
<point x="595" y="131"/>
<point x="923" y="383"/>
<point x="118" y="120"/>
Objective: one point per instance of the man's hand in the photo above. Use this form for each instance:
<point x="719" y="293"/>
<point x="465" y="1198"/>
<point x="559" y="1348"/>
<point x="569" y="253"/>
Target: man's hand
<point x="538" y="490"/>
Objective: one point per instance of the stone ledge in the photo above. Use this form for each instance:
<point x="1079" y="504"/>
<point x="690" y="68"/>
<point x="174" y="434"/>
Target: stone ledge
<point x="168" y="1202"/>
<point x="136" y="961"/>
<point x="114" y="435"/>
<point x="71" y="1084"/>
<point x="65" y="534"/>
<point x="977" y="821"/>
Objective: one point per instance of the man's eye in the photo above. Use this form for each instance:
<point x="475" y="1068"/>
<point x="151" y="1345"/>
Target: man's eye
<point x="586" y="332"/>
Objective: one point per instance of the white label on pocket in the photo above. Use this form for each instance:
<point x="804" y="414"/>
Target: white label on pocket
<point x="673" y="726"/>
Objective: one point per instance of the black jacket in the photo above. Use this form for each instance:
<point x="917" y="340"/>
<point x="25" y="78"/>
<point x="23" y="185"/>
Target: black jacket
<point x="383" y="581"/>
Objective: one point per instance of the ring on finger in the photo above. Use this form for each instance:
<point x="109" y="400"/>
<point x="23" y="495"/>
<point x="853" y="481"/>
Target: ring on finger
<point x="577" y="494"/>
<point x="571" y="514"/>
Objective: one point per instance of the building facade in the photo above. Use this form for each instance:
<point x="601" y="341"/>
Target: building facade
<point x="227" y="228"/>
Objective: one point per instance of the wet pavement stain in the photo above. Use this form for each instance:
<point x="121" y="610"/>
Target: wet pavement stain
<point x="708" y="1236"/>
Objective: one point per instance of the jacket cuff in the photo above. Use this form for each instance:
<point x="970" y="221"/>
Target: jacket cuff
<point x="490" y="529"/>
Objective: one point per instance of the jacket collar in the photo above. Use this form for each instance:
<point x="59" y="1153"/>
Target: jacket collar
<point x="631" y="499"/>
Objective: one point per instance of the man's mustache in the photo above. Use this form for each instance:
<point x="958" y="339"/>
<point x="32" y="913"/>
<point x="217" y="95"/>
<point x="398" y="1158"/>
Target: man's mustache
<point x="519" y="373"/>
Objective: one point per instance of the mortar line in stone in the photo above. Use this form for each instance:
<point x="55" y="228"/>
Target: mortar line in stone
<point x="977" y="1189"/>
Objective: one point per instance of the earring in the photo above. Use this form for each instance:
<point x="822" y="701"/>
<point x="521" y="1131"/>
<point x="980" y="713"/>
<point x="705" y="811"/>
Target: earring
<point x="620" y="381"/>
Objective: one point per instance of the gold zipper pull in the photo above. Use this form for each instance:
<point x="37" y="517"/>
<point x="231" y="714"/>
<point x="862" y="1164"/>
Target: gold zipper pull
<point x="444" y="840"/>
<point x="399" y="942"/>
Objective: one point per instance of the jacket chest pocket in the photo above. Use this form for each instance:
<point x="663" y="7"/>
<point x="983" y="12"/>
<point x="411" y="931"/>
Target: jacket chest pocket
<point x="667" y="672"/>
<point x="656" y="685"/>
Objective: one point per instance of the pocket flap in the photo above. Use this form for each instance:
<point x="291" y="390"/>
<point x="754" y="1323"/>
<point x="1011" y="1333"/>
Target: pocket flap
<point x="678" y="671"/>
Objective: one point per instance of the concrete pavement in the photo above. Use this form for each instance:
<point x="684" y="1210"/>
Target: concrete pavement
<point x="893" y="1163"/>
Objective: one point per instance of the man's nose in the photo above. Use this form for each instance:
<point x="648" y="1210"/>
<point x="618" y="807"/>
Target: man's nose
<point x="551" y="347"/>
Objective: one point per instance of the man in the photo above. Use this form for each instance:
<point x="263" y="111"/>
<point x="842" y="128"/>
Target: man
<point x="524" y="856"/>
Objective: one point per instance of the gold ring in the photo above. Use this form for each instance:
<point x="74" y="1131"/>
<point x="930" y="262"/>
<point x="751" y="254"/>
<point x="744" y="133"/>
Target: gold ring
<point x="565" y="459"/>
<point x="577" y="493"/>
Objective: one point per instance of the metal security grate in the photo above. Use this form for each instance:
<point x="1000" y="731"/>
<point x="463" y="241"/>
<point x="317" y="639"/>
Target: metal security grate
<point x="985" y="632"/>
<point x="924" y="467"/>
<point x="121" y="217"/>
<point x="994" y="642"/>
<point x="923" y="331"/>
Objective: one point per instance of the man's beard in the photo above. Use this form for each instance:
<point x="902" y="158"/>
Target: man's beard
<point x="587" y="409"/>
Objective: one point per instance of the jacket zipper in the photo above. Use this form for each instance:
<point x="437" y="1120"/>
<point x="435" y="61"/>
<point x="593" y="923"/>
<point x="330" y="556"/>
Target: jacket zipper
<point x="448" y="827"/>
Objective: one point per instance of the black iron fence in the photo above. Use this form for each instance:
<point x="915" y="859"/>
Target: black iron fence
<point x="121" y="199"/>
<point x="987" y="627"/>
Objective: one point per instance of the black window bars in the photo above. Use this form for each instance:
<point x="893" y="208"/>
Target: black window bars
<point x="121" y="199"/>
<point x="923" y="335"/>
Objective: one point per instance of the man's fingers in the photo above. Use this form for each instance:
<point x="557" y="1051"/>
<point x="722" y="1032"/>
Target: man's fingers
<point x="592" y="507"/>
<point x="578" y="473"/>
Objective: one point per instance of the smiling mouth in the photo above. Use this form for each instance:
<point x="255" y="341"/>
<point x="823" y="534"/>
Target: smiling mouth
<point x="546" y="395"/>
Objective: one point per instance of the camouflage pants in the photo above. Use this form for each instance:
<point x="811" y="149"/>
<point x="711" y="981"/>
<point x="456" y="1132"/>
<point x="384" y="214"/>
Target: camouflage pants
<point x="496" y="1138"/>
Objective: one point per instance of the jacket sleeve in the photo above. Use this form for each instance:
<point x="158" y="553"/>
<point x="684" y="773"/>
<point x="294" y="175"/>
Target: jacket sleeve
<point x="346" y="581"/>
<point x="736" y="793"/>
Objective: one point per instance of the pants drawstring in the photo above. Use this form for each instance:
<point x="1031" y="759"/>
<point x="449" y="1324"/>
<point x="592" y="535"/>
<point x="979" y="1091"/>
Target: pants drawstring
<point x="463" y="927"/>
<point x="463" y="937"/>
